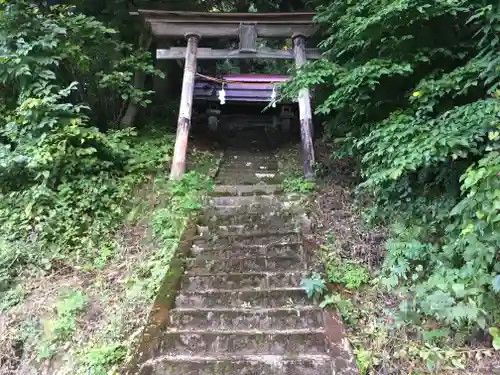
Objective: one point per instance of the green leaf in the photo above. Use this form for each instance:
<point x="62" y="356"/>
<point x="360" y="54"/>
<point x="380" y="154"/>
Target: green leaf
<point x="313" y="285"/>
<point x="496" y="283"/>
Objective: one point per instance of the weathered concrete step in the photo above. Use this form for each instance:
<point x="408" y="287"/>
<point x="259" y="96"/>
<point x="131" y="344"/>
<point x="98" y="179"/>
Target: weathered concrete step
<point x="247" y="180"/>
<point x="239" y="365"/>
<point x="248" y="280"/>
<point x="250" y="167"/>
<point x="277" y="342"/>
<point x="257" y="208"/>
<point x="244" y="264"/>
<point x="244" y="173"/>
<point x="253" y="200"/>
<point x="275" y="219"/>
<point x="248" y="239"/>
<point x="245" y="190"/>
<point x="250" y="229"/>
<point x="204" y="251"/>
<point x="244" y="298"/>
<point x="249" y="159"/>
<point x="240" y="319"/>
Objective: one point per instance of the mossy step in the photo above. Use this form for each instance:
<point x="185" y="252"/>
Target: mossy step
<point x="253" y="342"/>
<point x="205" y="251"/>
<point x="245" y="190"/>
<point x="244" y="264"/>
<point x="248" y="178"/>
<point x="246" y="280"/>
<point x="238" y="319"/>
<point x="253" y="200"/>
<point x="244" y="298"/>
<point x="256" y="208"/>
<point x="239" y="365"/>
<point x="250" y="166"/>
<point x="235" y="157"/>
<point x="246" y="239"/>
<point x="252" y="229"/>
<point x="276" y="219"/>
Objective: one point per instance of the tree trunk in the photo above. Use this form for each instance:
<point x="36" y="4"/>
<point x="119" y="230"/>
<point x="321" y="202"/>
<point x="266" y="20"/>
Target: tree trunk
<point x="139" y="81"/>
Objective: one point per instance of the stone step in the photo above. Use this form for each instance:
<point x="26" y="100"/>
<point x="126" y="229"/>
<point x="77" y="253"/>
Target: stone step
<point x="253" y="342"/>
<point x="250" y="229"/>
<point x="244" y="264"/>
<point x="245" y="190"/>
<point x="253" y="200"/>
<point x="237" y="154"/>
<point x="249" y="160"/>
<point x="244" y="172"/>
<point x="239" y="166"/>
<point x="239" y="365"/>
<point x="272" y="220"/>
<point x="244" y="298"/>
<point x="248" y="280"/>
<point x="249" y="180"/>
<point x="247" y="239"/>
<point x="203" y="251"/>
<point x="240" y="319"/>
<point x="257" y="208"/>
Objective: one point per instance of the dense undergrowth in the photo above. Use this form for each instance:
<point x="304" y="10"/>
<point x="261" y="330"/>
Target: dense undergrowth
<point x="62" y="180"/>
<point x="413" y="90"/>
<point x="88" y="217"/>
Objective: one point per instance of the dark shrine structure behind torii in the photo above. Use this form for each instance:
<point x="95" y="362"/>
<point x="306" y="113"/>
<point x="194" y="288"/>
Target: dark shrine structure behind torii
<point x="247" y="27"/>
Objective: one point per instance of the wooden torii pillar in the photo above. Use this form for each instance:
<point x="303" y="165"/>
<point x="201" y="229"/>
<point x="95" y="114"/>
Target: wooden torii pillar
<point x="305" y="112"/>
<point x="247" y="27"/>
<point x="185" y="109"/>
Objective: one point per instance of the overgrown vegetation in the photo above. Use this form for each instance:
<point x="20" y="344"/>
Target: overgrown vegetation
<point x="412" y="88"/>
<point x="88" y="218"/>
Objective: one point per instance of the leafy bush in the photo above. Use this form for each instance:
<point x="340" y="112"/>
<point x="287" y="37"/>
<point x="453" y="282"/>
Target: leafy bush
<point x="414" y="90"/>
<point x="62" y="180"/>
<point x="347" y="273"/>
<point x="299" y="185"/>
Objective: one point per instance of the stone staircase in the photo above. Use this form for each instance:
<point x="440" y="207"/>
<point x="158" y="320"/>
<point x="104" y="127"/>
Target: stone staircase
<point x="240" y="309"/>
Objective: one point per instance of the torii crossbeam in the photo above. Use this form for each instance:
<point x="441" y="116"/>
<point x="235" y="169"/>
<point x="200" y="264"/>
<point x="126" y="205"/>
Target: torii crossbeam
<point x="247" y="27"/>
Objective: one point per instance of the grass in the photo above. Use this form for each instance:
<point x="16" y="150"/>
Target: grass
<point x="84" y="317"/>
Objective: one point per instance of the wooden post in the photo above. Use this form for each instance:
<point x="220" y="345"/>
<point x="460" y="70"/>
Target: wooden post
<point x="186" y="106"/>
<point x="305" y="112"/>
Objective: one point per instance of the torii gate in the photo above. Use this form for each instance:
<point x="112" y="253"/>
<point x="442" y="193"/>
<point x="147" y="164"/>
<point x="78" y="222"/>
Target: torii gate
<point x="247" y="27"/>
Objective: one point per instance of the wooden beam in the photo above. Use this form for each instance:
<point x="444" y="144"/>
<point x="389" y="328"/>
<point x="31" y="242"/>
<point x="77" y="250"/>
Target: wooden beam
<point x="305" y="112"/>
<point x="182" y="16"/>
<point x="175" y="53"/>
<point x="167" y="29"/>
<point x="185" y="110"/>
<point x="248" y="38"/>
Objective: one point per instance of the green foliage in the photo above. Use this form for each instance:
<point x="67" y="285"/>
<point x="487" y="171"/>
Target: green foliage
<point x="64" y="183"/>
<point x="495" y="334"/>
<point x="344" y="307"/>
<point x="347" y="273"/>
<point x="313" y="286"/>
<point x="414" y="90"/>
<point x="58" y="173"/>
<point x="184" y="199"/>
<point x="61" y="328"/>
<point x="98" y="359"/>
<point x="364" y="360"/>
<point x="299" y="185"/>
